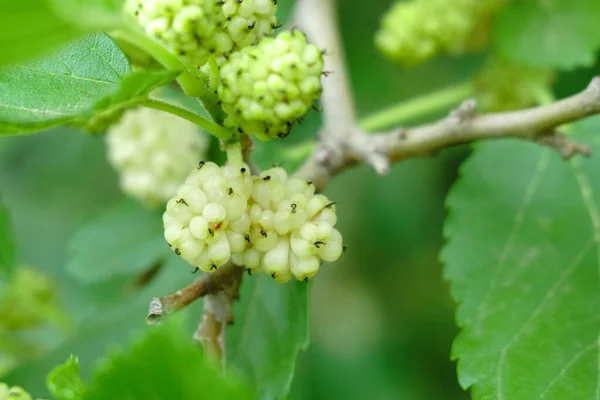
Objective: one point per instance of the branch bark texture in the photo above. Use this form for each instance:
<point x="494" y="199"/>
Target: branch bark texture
<point x="342" y="143"/>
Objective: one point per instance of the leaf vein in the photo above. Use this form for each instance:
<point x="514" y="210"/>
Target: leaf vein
<point x="587" y="195"/>
<point x="76" y="77"/>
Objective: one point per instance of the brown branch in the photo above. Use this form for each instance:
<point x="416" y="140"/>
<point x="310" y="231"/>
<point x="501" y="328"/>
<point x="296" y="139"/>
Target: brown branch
<point x="342" y="143"/>
<point x="206" y="284"/>
<point x="217" y="315"/>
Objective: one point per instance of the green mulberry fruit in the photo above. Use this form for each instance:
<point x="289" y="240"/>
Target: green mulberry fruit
<point x="191" y="29"/>
<point x="413" y="32"/>
<point x="265" y="88"/>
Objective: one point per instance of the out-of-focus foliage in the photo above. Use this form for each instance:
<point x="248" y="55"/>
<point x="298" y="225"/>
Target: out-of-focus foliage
<point x="550" y="34"/>
<point x="7" y="250"/>
<point x="164" y="364"/>
<point x="64" y="381"/>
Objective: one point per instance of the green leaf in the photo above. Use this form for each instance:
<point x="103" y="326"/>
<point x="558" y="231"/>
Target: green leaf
<point x="523" y="261"/>
<point x="123" y="240"/>
<point x="34" y="27"/>
<point x="89" y="76"/>
<point x="163" y="365"/>
<point x="31" y="27"/>
<point x="135" y="88"/>
<point x="550" y="34"/>
<point x="271" y="327"/>
<point x="64" y="381"/>
<point x="7" y="251"/>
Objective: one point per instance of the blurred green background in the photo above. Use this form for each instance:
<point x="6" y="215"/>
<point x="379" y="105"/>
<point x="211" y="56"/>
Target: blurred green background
<point x="382" y="319"/>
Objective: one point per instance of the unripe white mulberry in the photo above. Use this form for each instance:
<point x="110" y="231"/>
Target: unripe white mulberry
<point x="154" y="151"/>
<point x="292" y="228"/>
<point x="267" y="223"/>
<point x="265" y="88"/>
<point x="206" y="221"/>
<point x="248" y="21"/>
<point x="192" y="29"/>
<point x="13" y="393"/>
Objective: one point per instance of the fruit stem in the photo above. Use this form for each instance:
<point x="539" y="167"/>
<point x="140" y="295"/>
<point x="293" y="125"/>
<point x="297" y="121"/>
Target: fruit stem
<point x="234" y="153"/>
<point x="209" y="126"/>
<point x="412" y="109"/>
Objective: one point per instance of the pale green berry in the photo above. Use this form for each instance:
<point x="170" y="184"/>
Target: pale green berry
<point x="249" y="20"/>
<point x="199" y="227"/>
<point x="265" y="89"/>
<point x="214" y="213"/>
<point x="276" y="260"/>
<point x="252" y="259"/>
<point x="153" y="152"/>
<point x="304" y="268"/>
<point x="333" y="249"/>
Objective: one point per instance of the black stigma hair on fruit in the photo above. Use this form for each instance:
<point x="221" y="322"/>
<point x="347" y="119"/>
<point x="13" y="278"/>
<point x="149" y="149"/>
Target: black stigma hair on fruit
<point x="294" y="208"/>
<point x="249" y="271"/>
<point x="305" y="279"/>
<point x="330" y="204"/>
<point x="276" y="26"/>
<point x="319" y="243"/>
<point x="213" y="267"/>
<point x="210" y="231"/>
<point x="196" y="269"/>
<point x="273" y="275"/>
<point x="201" y="164"/>
<point x="252" y="25"/>
<point x="182" y="201"/>
<point x="243" y="170"/>
<point x="267" y="178"/>
<point x="263" y="233"/>
<point x="247" y="237"/>
<point x="230" y="191"/>
<point x="177" y="251"/>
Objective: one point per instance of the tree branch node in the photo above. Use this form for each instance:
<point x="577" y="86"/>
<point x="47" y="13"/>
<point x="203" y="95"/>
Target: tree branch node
<point x="566" y="147"/>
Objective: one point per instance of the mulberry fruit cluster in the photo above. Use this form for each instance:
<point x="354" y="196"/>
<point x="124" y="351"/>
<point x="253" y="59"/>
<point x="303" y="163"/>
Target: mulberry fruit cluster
<point x="268" y="223"/>
<point x="413" y="32"/>
<point x="13" y="393"/>
<point x="197" y="29"/>
<point x="265" y="88"/>
<point x="153" y="151"/>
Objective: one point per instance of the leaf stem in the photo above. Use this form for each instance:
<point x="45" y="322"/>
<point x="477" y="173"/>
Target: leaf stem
<point x="418" y="107"/>
<point x="209" y="126"/>
<point x="189" y="83"/>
